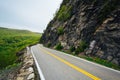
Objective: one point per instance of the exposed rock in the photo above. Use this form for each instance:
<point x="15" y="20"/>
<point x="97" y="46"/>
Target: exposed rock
<point x="109" y="58"/>
<point x="115" y="61"/>
<point x="21" y="70"/>
<point x="88" y="20"/>
<point x="92" y="44"/>
<point x="30" y="69"/>
<point x="31" y="76"/>
<point x="24" y="73"/>
<point x="28" y="63"/>
<point x="27" y="71"/>
<point x="20" y="78"/>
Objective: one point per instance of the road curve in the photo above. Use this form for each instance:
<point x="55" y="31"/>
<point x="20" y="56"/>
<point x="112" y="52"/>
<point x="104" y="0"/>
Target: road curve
<point x="56" y="65"/>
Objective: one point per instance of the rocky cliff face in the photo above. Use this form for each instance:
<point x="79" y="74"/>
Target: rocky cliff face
<point x="92" y="26"/>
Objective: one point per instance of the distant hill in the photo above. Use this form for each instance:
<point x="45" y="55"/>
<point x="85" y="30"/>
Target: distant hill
<point x="12" y="32"/>
<point x="12" y="41"/>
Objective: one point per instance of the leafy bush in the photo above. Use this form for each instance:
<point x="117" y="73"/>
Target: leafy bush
<point x="12" y="41"/>
<point x="60" y="30"/>
<point x="49" y="44"/>
<point x="64" y="13"/>
<point x="82" y="46"/>
<point x="59" y="46"/>
<point x="72" y="49"/>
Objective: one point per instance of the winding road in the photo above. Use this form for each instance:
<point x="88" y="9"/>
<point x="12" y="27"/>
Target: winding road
<point x="56" y="65"/>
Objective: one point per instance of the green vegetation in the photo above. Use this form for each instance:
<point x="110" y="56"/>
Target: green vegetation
<point x="12" y="41"/>
<point x="60" y="30"/>
<point x="64" y="13"/>
<point x="58" y="46"/>
<point x="13" y="65"/>
<point x="101" y="61"/>
<point x="95" y="59"/>
<point x="49" y="44"/>
<point x="72" y="49"/>
<point x="82" y="46"/>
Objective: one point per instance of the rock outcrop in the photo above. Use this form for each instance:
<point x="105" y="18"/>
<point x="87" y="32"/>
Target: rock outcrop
<point x="94" y="23"/>
<point x="28" y="70"/>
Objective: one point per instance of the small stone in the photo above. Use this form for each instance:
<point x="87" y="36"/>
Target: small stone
<point x="109" y="58"/>
<point x="82" y="13"/>
<point x="115" y="61"/>
<point x="100" y="53"/>
<point x="20" y="78"/>
<point x="31" y="57"/>
<point x="88" y="52"/>
<point x="63" y="44"/>
<point x="22" y="70"/>
<point x="31" y="76"/>
<point x="29" y="63"/>
<point x="30" y="69"/>
<point x="23" y="74"/>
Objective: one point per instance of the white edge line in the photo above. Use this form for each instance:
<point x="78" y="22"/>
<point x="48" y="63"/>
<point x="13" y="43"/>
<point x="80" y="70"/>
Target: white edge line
<point x="89" y="61"/>
<point x="92" y="62"/>
<point x="38" y="67"/>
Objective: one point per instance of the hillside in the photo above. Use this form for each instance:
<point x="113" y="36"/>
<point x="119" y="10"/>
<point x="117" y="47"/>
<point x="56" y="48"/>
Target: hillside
<point x="12" y="41"/>
<point x="89" y="27"/>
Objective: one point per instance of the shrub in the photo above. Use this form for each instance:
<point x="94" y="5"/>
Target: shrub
<point x="12" y="41"/>
<point x="77" y="51"/>
<point x="64" y="13"/>
<point x="60" y="30"/>
<point x="49" y="44"/>
<point x="72" y="49"/>
<point x="59" y="46"/>
<point x="82" y="46"/>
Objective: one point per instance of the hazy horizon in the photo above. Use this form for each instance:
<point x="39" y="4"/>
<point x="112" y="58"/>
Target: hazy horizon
<point x="33" y="15"/>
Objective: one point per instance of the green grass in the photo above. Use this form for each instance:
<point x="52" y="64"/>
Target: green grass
<point x="12" y="41"/>
<point x="82" y="46"/>
<point x="58" y="46"/>
<point x="71" y="51"/>
<point x="94" y="59"/>
<point x="64" y="13"/>
<point x="100" y="61"/>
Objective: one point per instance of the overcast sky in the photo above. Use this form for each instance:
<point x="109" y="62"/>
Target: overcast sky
<point x="33" y="15"/>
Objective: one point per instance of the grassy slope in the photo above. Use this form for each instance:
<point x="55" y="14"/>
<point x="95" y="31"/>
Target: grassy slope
<point x="12" y="41"/>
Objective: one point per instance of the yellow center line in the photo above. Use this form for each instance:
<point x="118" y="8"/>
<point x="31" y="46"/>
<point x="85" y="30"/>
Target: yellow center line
<point x="72" y="66"/>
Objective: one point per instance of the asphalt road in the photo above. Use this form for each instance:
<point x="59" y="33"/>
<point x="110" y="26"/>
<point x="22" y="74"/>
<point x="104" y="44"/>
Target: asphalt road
<point x="56" y="65"/>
